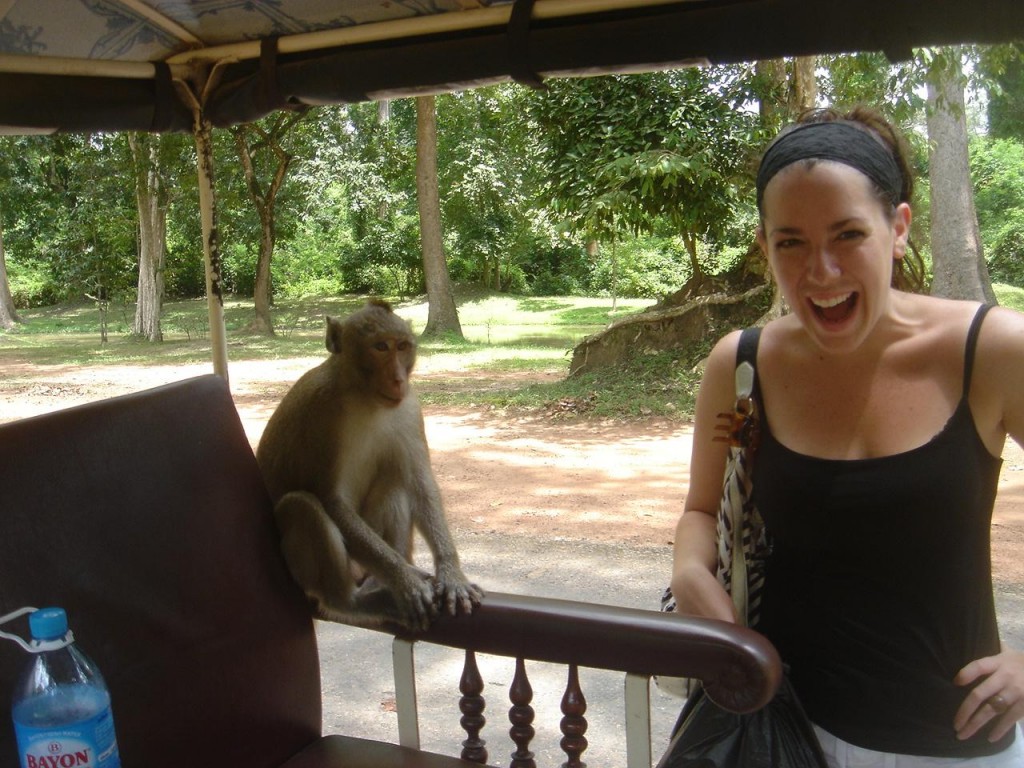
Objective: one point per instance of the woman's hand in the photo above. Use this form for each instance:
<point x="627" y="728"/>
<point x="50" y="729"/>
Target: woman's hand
<point x="694" y="585"/>
<point x="998" y="698"/>
<point x="699" y="593"/>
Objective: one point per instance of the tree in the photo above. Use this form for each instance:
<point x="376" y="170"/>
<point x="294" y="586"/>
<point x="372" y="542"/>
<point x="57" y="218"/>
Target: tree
<point x="958" y="261"/>
<point x="8" y="313"/>
<point x="88" y="229"/>
<point x="624" y="153"/>
<point x="442" y="315"/>
<point x="487" y="181"/>
<point x="635" y="154"/>
<point x="1005" y="65"/>
<point x="997" y="168"/>
<point x="379" y="171"/>
<point x="316" y="233"/>
<point x="151" y="201"/>
<point x="32" y="180"/>
<point x="253" y="141"/>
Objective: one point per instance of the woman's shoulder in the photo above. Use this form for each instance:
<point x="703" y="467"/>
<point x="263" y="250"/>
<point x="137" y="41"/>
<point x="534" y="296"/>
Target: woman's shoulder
<point x="724" y="354"/>
<point x="720" y="366"/>
<point x="934" y="310"/>
<point x="997" y="398"/>
<point x="1006" y="320"/>
<point x="1001" y="339"/>
<point x="936" y="331"/>
<point x="724" y="351"/>
<point x="950" y="317"/>
<point x="932" y="322"/>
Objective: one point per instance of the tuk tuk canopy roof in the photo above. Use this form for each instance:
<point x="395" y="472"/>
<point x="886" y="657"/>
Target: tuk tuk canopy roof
<point x="111" y="65"/>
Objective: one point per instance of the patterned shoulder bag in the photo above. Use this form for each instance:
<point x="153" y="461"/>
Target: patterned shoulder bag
<point x="742" y="539"/>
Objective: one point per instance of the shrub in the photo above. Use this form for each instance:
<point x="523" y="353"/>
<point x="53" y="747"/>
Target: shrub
<point x="1005" y="254"/>
<point x="31" y="284"/>
<point x="646" y="267"/>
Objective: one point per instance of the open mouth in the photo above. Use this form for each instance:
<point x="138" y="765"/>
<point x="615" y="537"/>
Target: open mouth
<point x="834" y="309"/>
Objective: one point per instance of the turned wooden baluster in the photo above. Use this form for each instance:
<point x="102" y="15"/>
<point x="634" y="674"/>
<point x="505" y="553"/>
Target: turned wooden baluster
<point x="574" y="724"/>
<point x="472" y="707"/>
<point x="521" y="716"/>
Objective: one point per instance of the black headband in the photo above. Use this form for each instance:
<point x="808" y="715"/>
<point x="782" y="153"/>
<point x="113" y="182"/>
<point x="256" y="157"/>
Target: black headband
<point x="840" y="142"/>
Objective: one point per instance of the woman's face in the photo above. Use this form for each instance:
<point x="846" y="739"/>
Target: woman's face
<point x="831" y="245"/>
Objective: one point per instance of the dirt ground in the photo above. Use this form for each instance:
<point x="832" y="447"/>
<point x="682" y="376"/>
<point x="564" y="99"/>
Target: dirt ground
<point x="561" y="477"/>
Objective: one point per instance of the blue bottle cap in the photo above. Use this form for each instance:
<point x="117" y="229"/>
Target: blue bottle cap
<point x="48" y="624"/>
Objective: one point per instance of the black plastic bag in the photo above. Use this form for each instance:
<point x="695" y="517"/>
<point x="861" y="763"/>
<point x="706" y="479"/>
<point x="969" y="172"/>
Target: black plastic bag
<point x="778" y="735"/>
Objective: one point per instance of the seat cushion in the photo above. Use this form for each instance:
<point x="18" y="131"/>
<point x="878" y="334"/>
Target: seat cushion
<point x="146" y="517"/>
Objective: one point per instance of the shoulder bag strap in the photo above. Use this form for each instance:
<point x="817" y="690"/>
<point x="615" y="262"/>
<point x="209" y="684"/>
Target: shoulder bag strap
<point x="746" y="390"/>
<point x="746" y="352"/>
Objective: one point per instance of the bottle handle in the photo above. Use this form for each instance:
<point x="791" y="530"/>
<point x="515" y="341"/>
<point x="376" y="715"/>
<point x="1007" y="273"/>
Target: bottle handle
<point x="34" y="646"/>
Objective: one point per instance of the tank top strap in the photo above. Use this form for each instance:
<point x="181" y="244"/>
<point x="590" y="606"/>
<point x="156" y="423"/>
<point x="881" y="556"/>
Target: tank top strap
<point x="971" y="346"/>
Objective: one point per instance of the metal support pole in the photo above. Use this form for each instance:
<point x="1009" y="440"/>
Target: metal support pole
<point x="211" y="251"/>
<point x="404" y="666"/>
<point x="638" y="721"/>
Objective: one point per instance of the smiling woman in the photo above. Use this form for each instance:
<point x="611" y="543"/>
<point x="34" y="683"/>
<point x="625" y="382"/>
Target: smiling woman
<point x="883" y="414"/>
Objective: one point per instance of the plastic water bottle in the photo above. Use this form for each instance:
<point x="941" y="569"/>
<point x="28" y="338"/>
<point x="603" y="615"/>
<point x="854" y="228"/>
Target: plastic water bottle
<point x="61" y="706"/>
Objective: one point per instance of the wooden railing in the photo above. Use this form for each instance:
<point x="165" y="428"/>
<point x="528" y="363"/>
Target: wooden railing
<point x="739" y="668"/>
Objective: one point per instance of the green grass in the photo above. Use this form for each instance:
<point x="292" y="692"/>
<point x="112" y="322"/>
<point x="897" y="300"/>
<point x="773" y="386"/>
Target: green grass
<point x="508" y="339"/>
<point x="1009" y="296"/>
<point x="656" y="385"/>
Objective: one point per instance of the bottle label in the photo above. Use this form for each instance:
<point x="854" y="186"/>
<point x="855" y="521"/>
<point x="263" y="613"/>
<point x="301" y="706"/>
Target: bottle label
<point x="87" y="743"/>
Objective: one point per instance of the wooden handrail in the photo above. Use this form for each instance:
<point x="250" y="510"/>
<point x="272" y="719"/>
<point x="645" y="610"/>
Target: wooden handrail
<point x="739" y="668"/>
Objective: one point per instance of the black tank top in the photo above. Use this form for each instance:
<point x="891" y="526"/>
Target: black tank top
<point x="879" y="589"/>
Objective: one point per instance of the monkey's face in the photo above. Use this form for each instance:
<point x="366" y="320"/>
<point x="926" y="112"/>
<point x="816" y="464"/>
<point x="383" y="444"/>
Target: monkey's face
<point x="375" y="352"/>
<point x="388" y="361"/>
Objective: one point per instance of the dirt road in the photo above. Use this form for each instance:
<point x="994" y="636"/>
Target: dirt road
<point x="510" y="474"/>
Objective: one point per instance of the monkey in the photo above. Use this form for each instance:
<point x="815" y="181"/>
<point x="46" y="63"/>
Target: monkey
<point x="345" y="460"/>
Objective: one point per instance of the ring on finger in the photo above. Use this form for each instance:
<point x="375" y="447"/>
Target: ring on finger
<point x="997" y="703"/>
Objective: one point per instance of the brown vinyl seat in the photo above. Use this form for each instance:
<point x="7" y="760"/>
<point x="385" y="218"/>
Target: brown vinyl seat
<point x="146" y="518"/>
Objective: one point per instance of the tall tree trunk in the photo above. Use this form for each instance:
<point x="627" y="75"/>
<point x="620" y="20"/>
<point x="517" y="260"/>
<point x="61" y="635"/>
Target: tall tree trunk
<point x="772" y="100"/>
<point x="152" y="210"/>
<point x="958" y="261"/>
<point x="8" y="314"/>
<point x="803" y="91"/>
<point x="615" y="274"/>
<point x="442" y="315"/>
<point x="383" y="121"/>
<point x="690" y="244"/>
<point x="262" y="288"/>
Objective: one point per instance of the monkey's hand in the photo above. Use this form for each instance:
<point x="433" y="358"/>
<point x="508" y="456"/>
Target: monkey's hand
<point x="414" y="595"/>
<point x="454" y="592"/>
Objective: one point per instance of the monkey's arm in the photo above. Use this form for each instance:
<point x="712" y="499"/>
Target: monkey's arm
<point x="454" y="591"/>
<point x="411" y="589"/>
